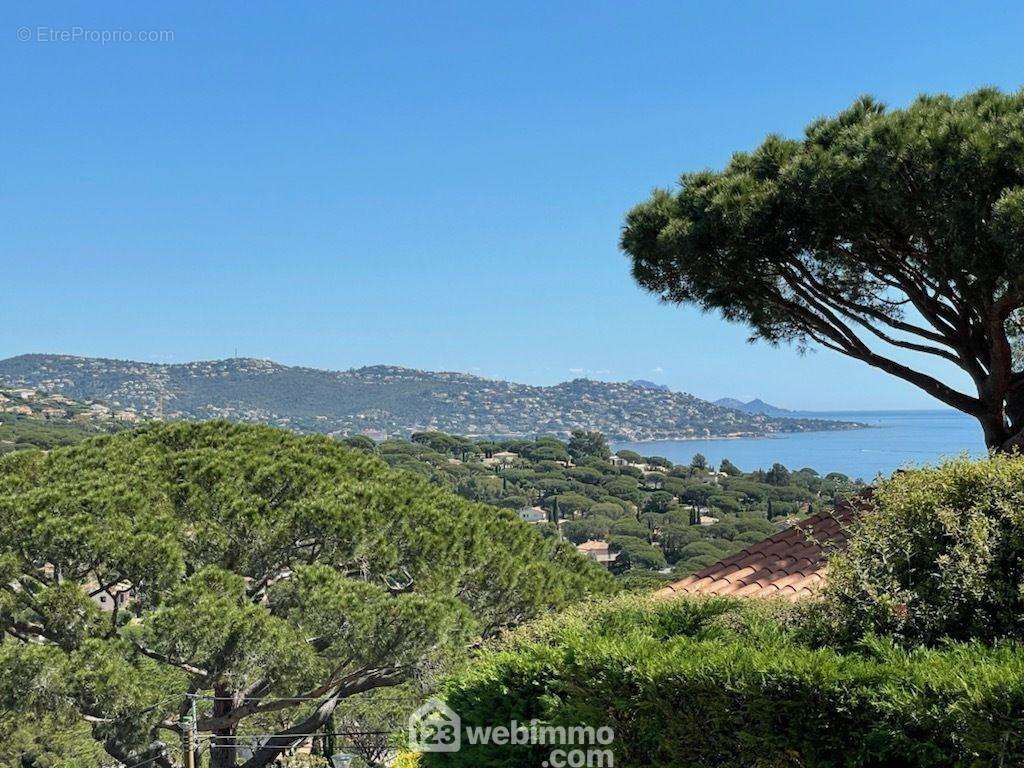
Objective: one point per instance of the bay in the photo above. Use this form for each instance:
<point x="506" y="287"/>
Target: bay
<point x="893" y="440"/>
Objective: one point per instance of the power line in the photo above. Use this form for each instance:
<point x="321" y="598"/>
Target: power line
<point x="213" y="737"/>
<point x="234" y="742"/>
<point x="245" y="699"/>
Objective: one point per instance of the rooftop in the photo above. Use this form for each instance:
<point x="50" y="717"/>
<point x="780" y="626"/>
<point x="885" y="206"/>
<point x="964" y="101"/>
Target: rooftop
<point x="791" y="564"/>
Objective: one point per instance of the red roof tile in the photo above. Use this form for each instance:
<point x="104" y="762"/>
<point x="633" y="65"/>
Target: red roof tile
<point x="790" y="564"/>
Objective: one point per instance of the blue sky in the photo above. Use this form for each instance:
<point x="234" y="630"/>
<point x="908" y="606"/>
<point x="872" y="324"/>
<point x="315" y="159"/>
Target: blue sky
<point x="438" y="185"/>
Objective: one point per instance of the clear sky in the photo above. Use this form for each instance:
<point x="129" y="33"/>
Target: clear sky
<point x="437" y="185"/>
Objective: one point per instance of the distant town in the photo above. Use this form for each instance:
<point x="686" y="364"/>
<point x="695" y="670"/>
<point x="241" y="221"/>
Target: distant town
<point x="387" y="401"/>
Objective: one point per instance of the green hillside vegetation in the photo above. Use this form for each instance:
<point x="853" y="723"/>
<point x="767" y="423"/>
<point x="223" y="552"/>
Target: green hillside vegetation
<point x="741" y="684"/>
<point x="649" y="509"/>
<point x="388" y="400"/>
<point x="21" y="432"/>
<point x="30" y="419"/>
<point x="913" y="656"/>
<point x="289" y="577"/>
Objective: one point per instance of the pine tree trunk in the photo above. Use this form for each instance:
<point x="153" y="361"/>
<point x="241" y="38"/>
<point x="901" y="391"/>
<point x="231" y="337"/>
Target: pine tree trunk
<point x="223" y="744"/>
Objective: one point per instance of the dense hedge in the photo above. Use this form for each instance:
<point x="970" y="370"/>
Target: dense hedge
<point x="941" y="556"/>
<point x="719" y="683"/>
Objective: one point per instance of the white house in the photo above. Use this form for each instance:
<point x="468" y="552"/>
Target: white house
<point x="533" y="515"/>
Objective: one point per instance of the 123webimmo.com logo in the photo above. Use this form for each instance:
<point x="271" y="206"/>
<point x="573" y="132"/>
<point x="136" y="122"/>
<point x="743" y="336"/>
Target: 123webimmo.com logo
<point x="436" y="727"/>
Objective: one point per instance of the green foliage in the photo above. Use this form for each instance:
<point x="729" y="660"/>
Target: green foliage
<point x="569" y="504"/>
<point x="741" y="685"/>
<point x="586" y="529"/>
<point x="777" y="475"/>
<point x="659" y="502"/>
<point x="360" y="442"/>
<point x="941" y="555"/>
<point x="622" y="486"/>
<point x="444" y="443"/>
<point x="812" y="241"/>
<point x="610" y="509"/>
<point x="547" y="449"/>
<point x="389" y="400"/>
<point x="584" y="444"/>
<point x="729" y="468"/>
<point x="38" y="725"/>
<point x="20" y="434"/>
<point x="254" y="560"/>
<point x="630" y="526"/>
<point x="600" y="499"/>
<point x="635" y="552"/>
<point x="38" y="419"/>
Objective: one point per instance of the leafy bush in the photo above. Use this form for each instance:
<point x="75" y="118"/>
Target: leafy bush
<point x="646" y="505"/>
<point x="941" y="556"/>
<point x="735" y="684"/>
<point x="629" y="526"/>
<point x="636" y="553"/>
<point x="578" y="531"/>
<point x="610" y="509"/>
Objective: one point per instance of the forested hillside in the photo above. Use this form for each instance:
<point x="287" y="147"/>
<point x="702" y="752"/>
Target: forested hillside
<point x="387" y="400"/>
<point x="655" y="515"/>
<point x="32" y="419"/>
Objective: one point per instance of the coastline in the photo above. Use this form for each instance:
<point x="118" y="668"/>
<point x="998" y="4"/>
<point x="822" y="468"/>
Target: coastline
<point x="900" y="439"/>
<point x="841" y="426"/>
<point x="782" y="433"/>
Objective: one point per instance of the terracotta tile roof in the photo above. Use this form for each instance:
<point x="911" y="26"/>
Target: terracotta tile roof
<point x="790" y="564"/>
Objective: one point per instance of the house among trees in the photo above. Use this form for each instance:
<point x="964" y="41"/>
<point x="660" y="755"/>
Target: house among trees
<point x="500" y="459"/>
<point x="598" y="551"/>
<point x="533" y="515"/>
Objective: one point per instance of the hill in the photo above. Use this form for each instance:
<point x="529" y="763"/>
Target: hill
<point x="34" y="419"/>
<point x="752" y="406"/>
<point x="654" y="513"/>
<point x="645" y="384"/>
<point x="388" y="400"/>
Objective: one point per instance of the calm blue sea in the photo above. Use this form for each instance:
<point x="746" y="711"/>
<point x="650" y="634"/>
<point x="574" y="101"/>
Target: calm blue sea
<point x="895" y="439"/>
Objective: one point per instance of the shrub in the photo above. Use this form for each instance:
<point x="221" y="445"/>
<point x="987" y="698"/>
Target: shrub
<point x="578" y="531"/>
<point x="630" y="526"/>
<point x="718" y="683"/>
<point x="659" y="502"/>
<point x="569" y="504"/>
<point x="621" y="486"/>
<point x="636" y="553"/>
<point x="610" y="509"/>
<point x="584" y="475"/>
<point x="942" y="555"/>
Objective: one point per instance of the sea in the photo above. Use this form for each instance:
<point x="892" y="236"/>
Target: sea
<point x="891" y="440"/>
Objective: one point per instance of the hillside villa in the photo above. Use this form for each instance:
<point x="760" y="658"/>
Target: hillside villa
<point x="597" y="551"/>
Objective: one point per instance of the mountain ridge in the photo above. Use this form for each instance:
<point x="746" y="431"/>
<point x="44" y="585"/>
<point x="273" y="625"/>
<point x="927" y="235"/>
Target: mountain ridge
<point x="382" y="400"/>
<point x="757" y="405"/>
<point x="647" y="384"/>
